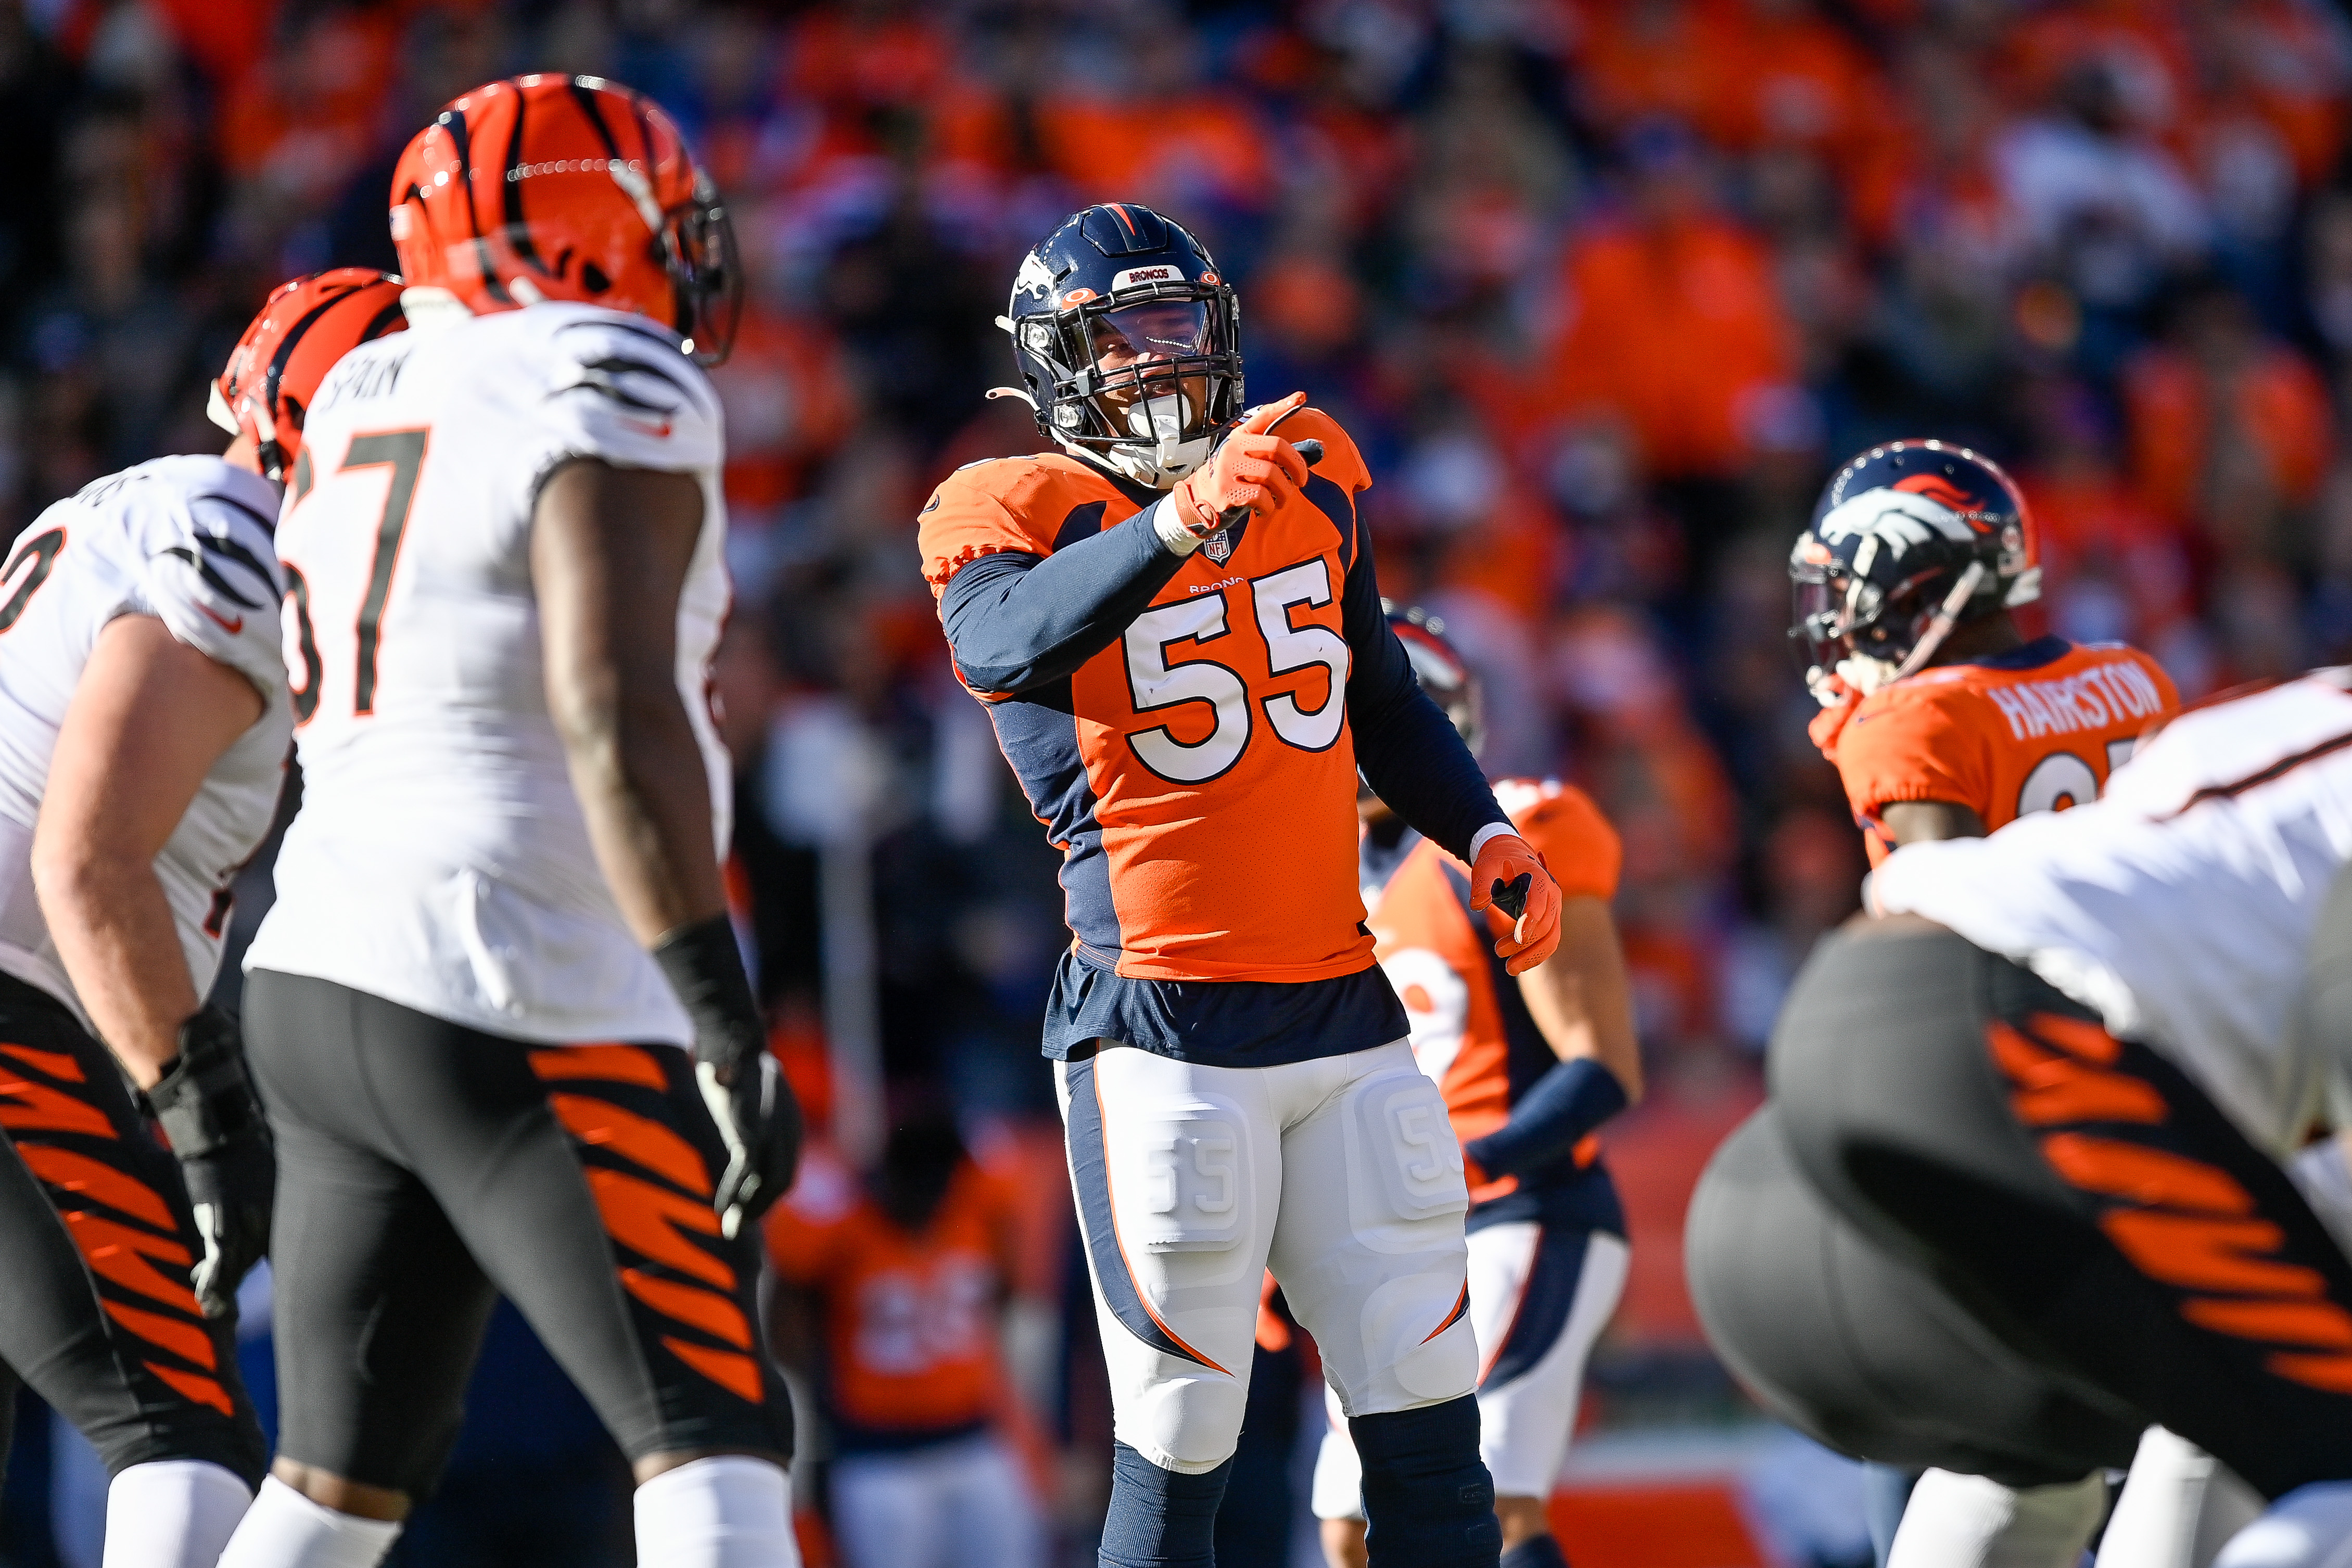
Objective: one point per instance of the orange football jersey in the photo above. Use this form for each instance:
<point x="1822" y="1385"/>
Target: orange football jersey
<point x="2038" y="729"/>
<point x="910" y="1320"/>
<point x="1470" y="1030"/>
<point x="1199" y="773"/>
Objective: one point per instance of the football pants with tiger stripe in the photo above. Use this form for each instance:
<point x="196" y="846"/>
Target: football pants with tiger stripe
<point x="2078" y="1194"/>
<point x="425" y="1169"/>
<point x="97" y="1314"/>
<point x="1340" y="1173"/>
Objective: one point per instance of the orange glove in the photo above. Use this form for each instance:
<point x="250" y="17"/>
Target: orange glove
<point x="1511" y="877"/>
<point x="1251" y="469"/>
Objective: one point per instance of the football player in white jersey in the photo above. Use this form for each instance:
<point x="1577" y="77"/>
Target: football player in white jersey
<point x="498" y="1012"/>
<point x="144" y="728"/>
<point x="2066" y="1083"/>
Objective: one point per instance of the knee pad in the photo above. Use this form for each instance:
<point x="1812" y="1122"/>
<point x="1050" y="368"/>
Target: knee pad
<point x="1427" y="1495"/>
<point x="1161" y="1519"/>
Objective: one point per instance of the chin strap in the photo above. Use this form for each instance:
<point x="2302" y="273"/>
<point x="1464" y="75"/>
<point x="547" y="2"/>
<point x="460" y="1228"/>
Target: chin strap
<point x="1939" y="625"/>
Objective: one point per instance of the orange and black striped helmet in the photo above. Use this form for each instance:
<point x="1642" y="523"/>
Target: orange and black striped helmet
<point x="304" y="327"/>
<point x="564" y="187"/>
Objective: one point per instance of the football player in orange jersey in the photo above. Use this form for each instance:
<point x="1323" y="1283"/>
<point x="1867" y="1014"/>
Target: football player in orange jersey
<point x="1530" y="1070"/>
<point x="893" y="1302"/>
<point x="1945" y="722"/>
<point x="1175" y="625"/>
<point x="1943" y="719"/>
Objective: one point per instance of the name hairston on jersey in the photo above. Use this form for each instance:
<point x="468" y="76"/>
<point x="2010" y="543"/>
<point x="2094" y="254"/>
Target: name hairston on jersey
<point x="2090" y="700"/>
<point x="1896" y="519"/>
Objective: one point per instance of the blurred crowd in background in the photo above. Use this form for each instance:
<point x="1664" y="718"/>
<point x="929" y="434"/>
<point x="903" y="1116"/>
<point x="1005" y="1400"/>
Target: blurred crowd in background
<point x="1603" y="288"/>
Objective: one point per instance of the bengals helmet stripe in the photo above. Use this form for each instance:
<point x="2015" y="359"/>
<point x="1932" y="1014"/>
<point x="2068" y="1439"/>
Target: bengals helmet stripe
<point x="597" y="200"/>
<point x="274" y="373"/>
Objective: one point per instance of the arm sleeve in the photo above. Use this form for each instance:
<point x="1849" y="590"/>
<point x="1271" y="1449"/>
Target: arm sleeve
<point x="1016" y="620"/>
<point x="1408" y="750"/>
<point x="1551" y="1118"/>
<point x="215" y="582"/>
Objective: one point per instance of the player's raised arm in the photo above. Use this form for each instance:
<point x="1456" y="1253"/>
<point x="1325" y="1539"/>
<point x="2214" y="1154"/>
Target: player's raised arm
<point x="1017" y="620"/>
<point x="609" y="554"/>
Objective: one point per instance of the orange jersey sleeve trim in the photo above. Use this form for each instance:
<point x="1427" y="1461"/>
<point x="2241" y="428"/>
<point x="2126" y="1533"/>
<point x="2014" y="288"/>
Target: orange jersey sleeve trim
<point x="1905" y="743"/>
<point x="967" y="517"/>
<point x="1561" y="823"/>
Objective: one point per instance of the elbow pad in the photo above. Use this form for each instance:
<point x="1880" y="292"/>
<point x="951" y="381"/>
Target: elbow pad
<point x="1551" y="1118"/>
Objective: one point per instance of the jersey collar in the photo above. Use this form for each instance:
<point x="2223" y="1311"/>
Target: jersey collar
<point x="2031" y="656"/>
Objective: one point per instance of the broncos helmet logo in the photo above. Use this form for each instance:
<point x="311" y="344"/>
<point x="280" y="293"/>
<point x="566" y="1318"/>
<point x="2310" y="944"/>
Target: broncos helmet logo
<point x="1034" y="278"/>
<point x="1896" y="519"/>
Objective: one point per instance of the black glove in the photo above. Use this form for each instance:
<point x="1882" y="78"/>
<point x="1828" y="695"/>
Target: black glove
<point x="214" y="1119"/>
<point x="757" y="1116"/>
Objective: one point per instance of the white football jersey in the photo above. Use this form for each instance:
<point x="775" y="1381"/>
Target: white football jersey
<point x="441" y="860"/>
<point x="2180" y="904"/>
<point x="185" y="540"/>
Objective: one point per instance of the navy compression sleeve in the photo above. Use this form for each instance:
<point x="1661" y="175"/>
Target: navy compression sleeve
<point x="1551" y="1118"/>
<point x="1408" y="750"/>
<point x="1017" y="621"/>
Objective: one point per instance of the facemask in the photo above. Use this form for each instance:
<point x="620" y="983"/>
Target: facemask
<point x="1161" y="419"/>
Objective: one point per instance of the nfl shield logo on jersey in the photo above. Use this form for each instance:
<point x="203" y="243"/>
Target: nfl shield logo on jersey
<point x="1218" y="547"/>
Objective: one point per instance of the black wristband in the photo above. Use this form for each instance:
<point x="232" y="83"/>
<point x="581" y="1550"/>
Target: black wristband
<point x="706" y="969"/>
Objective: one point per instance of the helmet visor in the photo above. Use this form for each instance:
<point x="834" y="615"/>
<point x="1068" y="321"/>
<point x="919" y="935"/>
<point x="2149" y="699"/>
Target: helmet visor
<point x="1816" y="619"/>
<point x="1133" y="337"/>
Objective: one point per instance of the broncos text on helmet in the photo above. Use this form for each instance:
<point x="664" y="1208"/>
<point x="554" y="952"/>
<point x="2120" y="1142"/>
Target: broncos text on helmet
<point x="1909" y="540"/>
<point x="1128" y="342"/>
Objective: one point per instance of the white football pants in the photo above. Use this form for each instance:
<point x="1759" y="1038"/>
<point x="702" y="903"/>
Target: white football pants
<point x="952" y="1505"/>
<point x="1534" y="1336"/>
<point x="1340" y="1173"/>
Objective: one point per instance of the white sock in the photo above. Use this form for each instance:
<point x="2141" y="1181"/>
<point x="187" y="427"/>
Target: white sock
<point x="171" y="1514"/>
<point x="283" y="1529"/>
<point x="728" y="1511"/>
<point x="1967" y="1521"/>
<point x="2178" y="1505"/>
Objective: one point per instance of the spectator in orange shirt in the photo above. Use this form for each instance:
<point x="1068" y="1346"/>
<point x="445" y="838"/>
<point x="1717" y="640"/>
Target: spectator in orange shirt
<point x="2221" y="417"/>
<point x="788" y="404"/>
<point x="892" y="1300"/>
<point x="1673" y="317"/>
<point x="1169" y="138"/>
<point x="1675" y="58"/>
<point x="1803" y="83"/>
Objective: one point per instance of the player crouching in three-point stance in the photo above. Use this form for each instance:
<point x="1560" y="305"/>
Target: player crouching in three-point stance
<point x="2062" y="1099"/>
<point x="1530" y="1068"/>
<point x="1945" y="721"/>
<point x="1176" y="627"/>
<point x="142" y="704"/>
<point x="497" y="1013"/>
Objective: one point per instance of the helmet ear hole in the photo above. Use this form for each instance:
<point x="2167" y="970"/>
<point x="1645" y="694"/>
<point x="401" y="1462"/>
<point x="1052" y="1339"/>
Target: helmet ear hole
<point x="593" y="277"/>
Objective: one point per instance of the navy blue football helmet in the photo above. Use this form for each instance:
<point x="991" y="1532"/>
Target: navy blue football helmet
<point x="1440" y="668"/>
<point x="1908" y="541"/>
<point x="1128" y="341"/>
